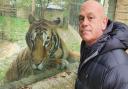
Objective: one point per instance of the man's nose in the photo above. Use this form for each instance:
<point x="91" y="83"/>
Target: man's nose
<point x="85" y="22"/>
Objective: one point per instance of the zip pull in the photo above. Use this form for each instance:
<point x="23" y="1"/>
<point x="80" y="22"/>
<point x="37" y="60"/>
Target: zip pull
<point x="90" y="57"/>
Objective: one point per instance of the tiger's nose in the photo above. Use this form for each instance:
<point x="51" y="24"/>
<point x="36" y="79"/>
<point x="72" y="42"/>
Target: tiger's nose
<point x="37" y="64"/>
<point x="37" y="61"/>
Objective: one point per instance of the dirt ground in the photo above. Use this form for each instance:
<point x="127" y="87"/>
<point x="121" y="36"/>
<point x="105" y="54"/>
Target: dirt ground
<point x="7" y="49"/>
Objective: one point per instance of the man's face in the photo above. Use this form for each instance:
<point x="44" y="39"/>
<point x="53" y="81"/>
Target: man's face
<point x="91" y="24"/>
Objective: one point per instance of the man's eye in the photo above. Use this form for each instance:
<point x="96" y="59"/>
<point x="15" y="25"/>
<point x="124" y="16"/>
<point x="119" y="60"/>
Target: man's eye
<point x="81" y="18"/>
<point x="90" y="18"/>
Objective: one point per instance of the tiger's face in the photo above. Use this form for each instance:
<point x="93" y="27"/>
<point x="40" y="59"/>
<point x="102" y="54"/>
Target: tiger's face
<point x="38" y="39"/>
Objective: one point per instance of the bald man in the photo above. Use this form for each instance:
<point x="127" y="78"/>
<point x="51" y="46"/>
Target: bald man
<point x="103" y="61"/>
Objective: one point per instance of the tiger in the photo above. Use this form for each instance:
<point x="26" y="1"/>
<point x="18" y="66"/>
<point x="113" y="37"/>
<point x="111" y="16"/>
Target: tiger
<point x="44" y="48"/>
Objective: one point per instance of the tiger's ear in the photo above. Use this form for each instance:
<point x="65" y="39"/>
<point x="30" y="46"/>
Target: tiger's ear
<point x="31" y="18"/>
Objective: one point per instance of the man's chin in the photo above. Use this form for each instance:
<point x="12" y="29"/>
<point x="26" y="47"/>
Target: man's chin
<point x="85" y="38"/>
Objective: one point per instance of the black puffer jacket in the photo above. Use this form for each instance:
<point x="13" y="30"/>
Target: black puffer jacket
<point x="105" y="64"/>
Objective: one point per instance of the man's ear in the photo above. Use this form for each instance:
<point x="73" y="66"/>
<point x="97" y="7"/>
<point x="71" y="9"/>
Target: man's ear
<point x="31" y="19"/>
<point x="105" y="21"/>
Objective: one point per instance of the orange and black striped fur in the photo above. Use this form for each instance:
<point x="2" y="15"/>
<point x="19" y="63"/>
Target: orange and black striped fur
<point x="44" y="47"/>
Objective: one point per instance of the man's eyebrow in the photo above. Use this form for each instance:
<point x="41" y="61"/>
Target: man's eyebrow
<point x="80" y="16"/>
<point x="90" y="13"/>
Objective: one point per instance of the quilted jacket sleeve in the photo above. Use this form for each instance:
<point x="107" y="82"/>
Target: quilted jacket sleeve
<point x="116" y="78"/>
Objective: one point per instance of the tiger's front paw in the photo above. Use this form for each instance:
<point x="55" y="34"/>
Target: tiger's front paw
<point x="63" y="65"/>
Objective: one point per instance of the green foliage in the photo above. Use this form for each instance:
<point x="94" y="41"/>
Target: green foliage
<point x="14" y="28"/>
<point x="23" y="3"/>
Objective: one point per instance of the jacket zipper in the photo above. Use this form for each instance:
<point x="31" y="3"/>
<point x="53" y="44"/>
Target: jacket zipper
<point x="89" y="58"/>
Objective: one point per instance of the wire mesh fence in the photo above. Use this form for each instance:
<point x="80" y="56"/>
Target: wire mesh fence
<point x="14" y="14"/>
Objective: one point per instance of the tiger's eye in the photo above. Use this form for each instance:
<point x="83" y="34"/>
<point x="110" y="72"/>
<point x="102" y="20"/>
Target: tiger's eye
<point x="41" y="33"/>
<point x="48" y="37"/>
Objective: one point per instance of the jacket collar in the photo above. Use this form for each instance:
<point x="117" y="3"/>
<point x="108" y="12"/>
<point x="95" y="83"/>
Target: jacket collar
<point x="114" y="37"/>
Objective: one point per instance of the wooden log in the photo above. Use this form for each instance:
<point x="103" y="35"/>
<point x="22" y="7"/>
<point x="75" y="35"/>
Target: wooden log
<point x="21" y="84"/>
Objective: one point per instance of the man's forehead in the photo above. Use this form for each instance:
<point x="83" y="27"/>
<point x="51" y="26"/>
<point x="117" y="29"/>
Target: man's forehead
<point x="88" y="11"/>
<point x="91" y="7"/>
<point x="92" y="3"/>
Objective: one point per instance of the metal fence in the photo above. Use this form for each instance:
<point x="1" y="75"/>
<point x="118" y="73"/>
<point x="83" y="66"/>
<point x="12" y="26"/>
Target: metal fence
<point x="9" y="26"/>
<point x="7" y="11"/>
